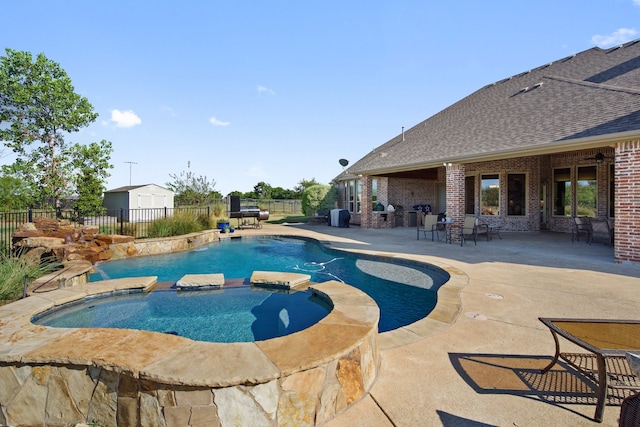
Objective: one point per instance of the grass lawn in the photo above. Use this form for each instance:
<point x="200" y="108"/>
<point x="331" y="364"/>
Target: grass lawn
<point x="282" y="218"/>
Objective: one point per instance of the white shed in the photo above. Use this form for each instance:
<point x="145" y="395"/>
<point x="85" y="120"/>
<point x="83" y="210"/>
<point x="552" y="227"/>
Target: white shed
<point x="139" y="202"/>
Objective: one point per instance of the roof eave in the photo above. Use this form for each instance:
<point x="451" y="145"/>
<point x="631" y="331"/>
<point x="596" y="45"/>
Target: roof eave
<point x="534" y="150"/>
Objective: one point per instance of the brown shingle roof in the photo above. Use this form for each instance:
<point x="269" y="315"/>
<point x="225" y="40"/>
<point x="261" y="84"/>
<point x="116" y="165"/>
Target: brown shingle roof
<point x="592" y="93"/>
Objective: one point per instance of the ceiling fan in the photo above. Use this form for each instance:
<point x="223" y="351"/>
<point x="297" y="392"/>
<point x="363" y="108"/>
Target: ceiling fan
<point x="599" y="157"/>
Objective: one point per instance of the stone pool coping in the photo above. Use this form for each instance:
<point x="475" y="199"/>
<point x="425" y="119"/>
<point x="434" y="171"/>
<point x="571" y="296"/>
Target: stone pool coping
<point x="128" y="377"/>
<point x="176" y="360"/>
<point x="444" y="314"/>
<point x="448" y="305"/>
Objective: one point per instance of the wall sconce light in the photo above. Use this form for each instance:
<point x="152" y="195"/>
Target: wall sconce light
<point x="445" y="164"/>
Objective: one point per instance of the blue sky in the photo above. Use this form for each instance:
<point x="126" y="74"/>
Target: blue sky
<point x="279" y="91"/>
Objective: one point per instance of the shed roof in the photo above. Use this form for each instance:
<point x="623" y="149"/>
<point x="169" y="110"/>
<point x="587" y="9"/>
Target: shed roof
<point x="128" y="188"/>
<point x="576" y="100"/>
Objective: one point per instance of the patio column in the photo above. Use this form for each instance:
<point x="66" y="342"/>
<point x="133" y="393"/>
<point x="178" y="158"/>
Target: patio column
<point x="455" y="175"/>
<point x="627" y="202"/>
<point x="365" y="203"/>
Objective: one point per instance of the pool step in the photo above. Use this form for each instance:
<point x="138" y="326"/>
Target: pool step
<point x="200" y="281"/>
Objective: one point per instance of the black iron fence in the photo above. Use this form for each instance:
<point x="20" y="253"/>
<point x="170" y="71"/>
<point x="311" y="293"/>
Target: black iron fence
<point x="130" y="222"/>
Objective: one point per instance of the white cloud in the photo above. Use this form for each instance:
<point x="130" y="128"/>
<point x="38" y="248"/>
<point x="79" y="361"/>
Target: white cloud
<point x="217" y="122"/>
<point x="125" y="119"/>
<point x="636" y="2"/>
<point x="256" y="172"/>
<point x="264" y="89"/>
<point x="620" y="36"/>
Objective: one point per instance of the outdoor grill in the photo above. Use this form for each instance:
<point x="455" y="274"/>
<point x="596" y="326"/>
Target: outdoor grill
<point x="253" y="212"/>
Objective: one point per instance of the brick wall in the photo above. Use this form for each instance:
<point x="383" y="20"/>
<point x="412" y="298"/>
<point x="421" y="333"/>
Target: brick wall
<point x="627" y="207"/>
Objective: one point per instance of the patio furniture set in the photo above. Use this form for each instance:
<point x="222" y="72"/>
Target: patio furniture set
<point x="442" y="229"/>
<point x="591" y="228"/>
<point x="612" y="355"/>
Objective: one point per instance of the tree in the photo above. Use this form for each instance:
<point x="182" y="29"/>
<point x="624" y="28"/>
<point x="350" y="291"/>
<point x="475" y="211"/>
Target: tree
<point x="38" y="105"/>
<point x="303" y="185"/>
<point x="192" y="190"/>
<point x="319" y="199"/>
<point x="13" y="193"/>
<point x="280" y="193"/>
<point x="262" y="190"/>
<point x="92" y="163"/>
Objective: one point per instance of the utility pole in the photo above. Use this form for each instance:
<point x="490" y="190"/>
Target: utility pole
<point x="130" y="163"/>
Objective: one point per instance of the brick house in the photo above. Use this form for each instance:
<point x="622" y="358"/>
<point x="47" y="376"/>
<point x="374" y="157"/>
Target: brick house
<point x="529" y="152"/>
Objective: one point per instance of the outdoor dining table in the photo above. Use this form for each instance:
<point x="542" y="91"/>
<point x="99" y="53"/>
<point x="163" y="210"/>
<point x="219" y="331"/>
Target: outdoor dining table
<point x="607" y="342"/>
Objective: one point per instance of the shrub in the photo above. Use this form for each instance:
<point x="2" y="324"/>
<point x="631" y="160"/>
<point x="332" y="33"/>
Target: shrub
<point x="13" y="270"/>
<point x="129" y="229"/>
<point x="204" y="221"/>
<point x="177" y="225"/>
<point x="219" y="209"/>
<point x="319" y="198"/>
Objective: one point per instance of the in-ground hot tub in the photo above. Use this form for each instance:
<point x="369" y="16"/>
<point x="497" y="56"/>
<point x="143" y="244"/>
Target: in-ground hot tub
<point x="129" y="377"/>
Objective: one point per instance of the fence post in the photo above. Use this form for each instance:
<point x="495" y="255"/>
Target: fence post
<point x="165" y="212"/>
<point x="30" y="215"/>
<point x="121" y="221"/>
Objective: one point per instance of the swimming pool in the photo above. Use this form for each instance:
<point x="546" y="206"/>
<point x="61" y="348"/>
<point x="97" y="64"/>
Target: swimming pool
<point x="405" y="291"/>
<point x="235" y="314"/>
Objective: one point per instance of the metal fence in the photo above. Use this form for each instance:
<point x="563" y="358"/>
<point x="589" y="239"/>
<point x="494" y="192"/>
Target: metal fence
<point x="291" y="207"/>
<point x="131" y="222"/>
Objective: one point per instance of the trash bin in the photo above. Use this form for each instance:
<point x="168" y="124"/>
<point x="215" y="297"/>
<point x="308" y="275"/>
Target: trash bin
<point x="343" y="218"/>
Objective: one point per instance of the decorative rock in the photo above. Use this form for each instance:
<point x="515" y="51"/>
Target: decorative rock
<point x="114" y="238"/>
<point x="201" y="281"/>
<point x="65" y="241"/>
<point x="34" y="242"/>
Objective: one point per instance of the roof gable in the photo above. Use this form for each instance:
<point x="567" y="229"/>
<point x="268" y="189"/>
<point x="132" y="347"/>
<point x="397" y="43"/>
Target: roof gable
<point x="590" y="94"/>
<point x="128" y="188"/>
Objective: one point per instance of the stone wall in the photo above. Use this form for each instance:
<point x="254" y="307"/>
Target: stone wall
<point x="162" y="245"/>
<point x="120" y="377"/>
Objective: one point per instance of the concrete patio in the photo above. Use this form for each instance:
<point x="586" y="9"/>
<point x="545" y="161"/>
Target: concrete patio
<point x="483" y="370"/>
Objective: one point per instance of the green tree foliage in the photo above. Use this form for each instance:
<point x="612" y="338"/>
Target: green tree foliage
<point x="14" y="194"/>
<point x="92" y="164"/>
<point x="280" y="193"/>
<point x="262" y="190"/>
<point x="38" y="106"/>
<point x="318" y="199"/>
<point x="193" y="190"/>
<point x="303" y="185"/>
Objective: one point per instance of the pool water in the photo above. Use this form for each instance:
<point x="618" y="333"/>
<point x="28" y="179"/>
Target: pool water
<point x="235" y="314"/>
<point x="405" y="291"/>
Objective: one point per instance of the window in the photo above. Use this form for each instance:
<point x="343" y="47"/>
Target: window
<point x="562" y="192"/>
<point x="358" y="196"/>
<point x="374" y="193"/>
<point x="469" y="195"/>
<point x="490" y="194"/>
<point x="516" y="194"/>
<point x="587" y="191"/>
<point x="352" y="196"/>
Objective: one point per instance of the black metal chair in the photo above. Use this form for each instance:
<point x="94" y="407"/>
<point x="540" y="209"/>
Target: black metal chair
<point x="630" y="411"/>
<point x="581" y="225"/>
